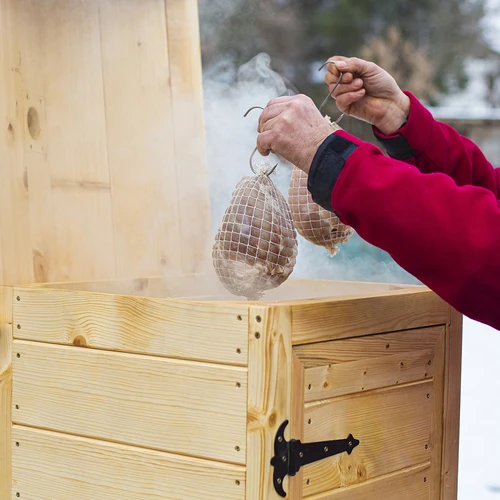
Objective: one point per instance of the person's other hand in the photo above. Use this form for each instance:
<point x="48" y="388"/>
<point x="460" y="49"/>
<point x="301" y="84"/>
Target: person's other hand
<point x="293" y="128"/>
<point x="368" y="92"/>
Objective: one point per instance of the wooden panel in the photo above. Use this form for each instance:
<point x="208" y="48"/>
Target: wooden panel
<point x="50" y="466"/>
<point x="96" y="159"/>
<point x="5" y="390"/>
<point x="410" y="484"/>
<point x="393" y="426"/>
<point x="141" y="148"/>
<point x="134" y="324"/>
<point x="183" y="407"/>
<point x="270" y="387"/>
<point x="189" y="133"/>
<point x="379" y="313"/>
<point x="451" y="416"/>
<point x="436" y="442"/>
<point x="69" y="183"/>
<point x="366" y="363"/>
<point x="15" y="245"/>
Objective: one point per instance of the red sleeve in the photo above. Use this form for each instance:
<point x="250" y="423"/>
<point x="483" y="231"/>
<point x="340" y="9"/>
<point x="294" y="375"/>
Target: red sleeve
<point x="433" y="146"/>
<point x="446" y="235"/>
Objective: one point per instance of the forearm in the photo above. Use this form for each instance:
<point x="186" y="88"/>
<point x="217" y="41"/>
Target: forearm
<point x="445" y="235"/>
<point x="433" y="146"/>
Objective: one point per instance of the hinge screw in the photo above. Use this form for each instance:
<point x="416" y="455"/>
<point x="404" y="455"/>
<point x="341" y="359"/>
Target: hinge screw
<point x="301" y="455"/>
<point x="280" y="439"/>
<point x="326" y="449"/>
<point x="283" y="459"/>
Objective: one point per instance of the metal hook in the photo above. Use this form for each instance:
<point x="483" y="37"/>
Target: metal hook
<point x="255" y="150"/>
<point x="332" y="91"/>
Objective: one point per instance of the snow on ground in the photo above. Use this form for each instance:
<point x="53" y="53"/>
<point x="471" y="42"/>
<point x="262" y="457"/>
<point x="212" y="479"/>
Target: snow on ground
<point x="479" y="468"/>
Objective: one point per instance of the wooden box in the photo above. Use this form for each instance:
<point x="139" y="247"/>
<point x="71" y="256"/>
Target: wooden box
<point x="163" y="389"/>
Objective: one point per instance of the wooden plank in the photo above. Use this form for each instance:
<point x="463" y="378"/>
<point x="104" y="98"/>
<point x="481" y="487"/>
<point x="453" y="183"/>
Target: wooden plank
<point x="51" y="466"/>
<point x="5" y="391"/>
<point x="189" y="133"/>
<point x="367" y="347"/>
<point x="371" y="362"/>
<point x="183" y="407"/>
<point x="70" y="193"/>
<point x="436" y="441"/>
<point x="134" y="324"/>
<point x="409" y="484"/>
<point x="270" y="387"/>
<point x="357" y="316"/>
<point x="451" y="416"/>
<point x="297" y="423"/>
<point x="15" y="245"/>
<point x="393" y="426"/>
<point x="140" y="132"/>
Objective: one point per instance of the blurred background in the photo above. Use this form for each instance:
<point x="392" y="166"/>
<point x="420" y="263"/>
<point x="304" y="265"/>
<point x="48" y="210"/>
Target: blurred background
<point x="446" y="52"/>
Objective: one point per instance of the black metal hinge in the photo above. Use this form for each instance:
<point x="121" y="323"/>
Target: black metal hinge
<point x="290" y="456"/>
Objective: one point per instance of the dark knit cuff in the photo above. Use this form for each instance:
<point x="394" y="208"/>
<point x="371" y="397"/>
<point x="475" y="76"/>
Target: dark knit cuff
<point x="326" y="168"/>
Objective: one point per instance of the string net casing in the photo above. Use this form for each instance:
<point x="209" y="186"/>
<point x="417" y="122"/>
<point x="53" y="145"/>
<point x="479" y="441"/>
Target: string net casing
<point x="255" y="248"/>
<point x="314" y="223"/>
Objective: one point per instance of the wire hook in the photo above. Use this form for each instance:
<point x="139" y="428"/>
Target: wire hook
<point x="255" y="150"/>
<point x="332" y="91"/>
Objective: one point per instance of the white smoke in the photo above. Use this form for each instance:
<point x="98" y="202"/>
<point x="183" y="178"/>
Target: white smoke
<point x="229" y="92"/>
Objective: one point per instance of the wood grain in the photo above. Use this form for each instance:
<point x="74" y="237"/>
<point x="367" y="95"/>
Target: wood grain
<point x="381" y="312"/>
<point x="436" y="441"/>
<point x="52" y="466"/>
<point x="407" y="484"/>
<point x="393" y="426"/>
<point x="134" y="324"/>
<point x="5" y="391"/>
<point x="184" y="54"/>
<point x="184" y="407"/>
<point x="134" y="35"/>
<point x="15" y="249"/>
<point x="98" y="180"/>
<point x="367" y="363"/>
<point x="269" y="395"/>
<point x="451" y="416"/>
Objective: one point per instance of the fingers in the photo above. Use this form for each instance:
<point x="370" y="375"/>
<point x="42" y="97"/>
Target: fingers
<point x="345" y="100"/>
<point x="343" y="88"/>
<point x="265" y="142"/>
<point x="277" y="106"/>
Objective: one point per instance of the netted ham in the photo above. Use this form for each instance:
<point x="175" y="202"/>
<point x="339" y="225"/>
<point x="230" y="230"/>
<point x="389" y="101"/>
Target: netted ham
<point x="256" y="246"/>
<point x="314" y="223"/>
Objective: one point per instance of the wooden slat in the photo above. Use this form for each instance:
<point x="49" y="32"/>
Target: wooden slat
<point x="134" y="35"/>
<point x="297" y="423"/>
<point x="368" y="347"/>
<point x="134" y="324"/>
<point x="189" y="133"/>
<point x="436" y="441"/>
<point x="393" y="426"/>
<point x="15" y="245"/>
<point x="408" y="484"/>
<point x="68" y="172"/>
<point x="357" y="316"/>
<point x="183" y="407"/>
<point x="5" y="390"/>
<point x="451" y="416"/>
<point x="51" y="466"/>
<point x="367" y="363"/>
<point x="270" y="387"/>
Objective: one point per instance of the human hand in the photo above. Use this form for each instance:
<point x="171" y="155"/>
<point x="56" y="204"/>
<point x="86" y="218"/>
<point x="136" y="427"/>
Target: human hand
<point x="293" y="128"/>
<point x="368" y="92"/>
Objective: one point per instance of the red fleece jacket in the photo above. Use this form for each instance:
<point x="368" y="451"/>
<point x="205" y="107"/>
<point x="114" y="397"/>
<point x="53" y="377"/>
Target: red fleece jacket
<point x="437" y="213"/>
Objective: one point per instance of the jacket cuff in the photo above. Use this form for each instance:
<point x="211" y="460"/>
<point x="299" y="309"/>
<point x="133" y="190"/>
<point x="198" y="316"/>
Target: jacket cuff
<point x="412" y="136"/>
<point x="326" y="167"/>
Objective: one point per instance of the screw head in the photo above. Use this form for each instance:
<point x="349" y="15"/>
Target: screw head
<point x="278" y="480"/>
<point x="283" y="458"/>
<point x="280" y="439"/>
<point x="258" y="319"/>
<point x="301" y="455"/>
<point x="325" y="449"/>
<point x="257" y="335"/>
<point x="18" y="355"/>
<point x="18" y="298"/>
